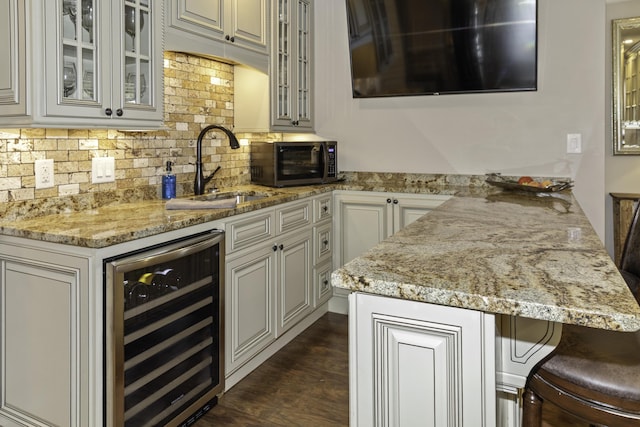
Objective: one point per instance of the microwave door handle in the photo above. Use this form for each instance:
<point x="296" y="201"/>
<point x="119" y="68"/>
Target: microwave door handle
<point x="325" y="157"/>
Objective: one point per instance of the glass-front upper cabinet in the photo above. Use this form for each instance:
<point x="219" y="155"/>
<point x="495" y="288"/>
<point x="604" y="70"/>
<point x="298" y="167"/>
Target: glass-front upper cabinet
<point x="138" y="58"/>
<point x="292" y="60"/>
<point x="79" y="52"/>
<point x="107" y="58"/>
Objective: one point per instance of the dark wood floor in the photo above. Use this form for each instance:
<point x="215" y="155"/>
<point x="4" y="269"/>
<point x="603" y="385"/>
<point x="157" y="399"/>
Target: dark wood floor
<point x="307" y="384"/>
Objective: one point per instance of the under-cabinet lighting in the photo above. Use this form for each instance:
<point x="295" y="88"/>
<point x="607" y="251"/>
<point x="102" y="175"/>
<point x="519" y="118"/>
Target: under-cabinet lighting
<point x="9" y="133"/>
<point x="244" y="141"/>
<point x="628" y="41"/>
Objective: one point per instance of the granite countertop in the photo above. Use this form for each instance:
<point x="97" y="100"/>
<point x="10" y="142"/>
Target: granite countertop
<point x="100" y="220"/>
<point x="519" y="254"/>
<point x="115" y="223"/>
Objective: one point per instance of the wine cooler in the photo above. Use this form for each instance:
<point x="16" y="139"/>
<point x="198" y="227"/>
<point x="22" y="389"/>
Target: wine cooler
<point x="164" y="348"/>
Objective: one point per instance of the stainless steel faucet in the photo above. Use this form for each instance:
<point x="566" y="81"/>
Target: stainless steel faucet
<point x="200" y="180"/>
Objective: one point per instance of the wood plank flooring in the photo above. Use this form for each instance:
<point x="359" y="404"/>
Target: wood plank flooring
<point x="307" y="384"/>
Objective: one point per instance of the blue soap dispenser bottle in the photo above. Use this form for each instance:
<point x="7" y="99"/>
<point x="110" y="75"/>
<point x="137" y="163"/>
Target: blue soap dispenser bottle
<point x="169" y="183"/>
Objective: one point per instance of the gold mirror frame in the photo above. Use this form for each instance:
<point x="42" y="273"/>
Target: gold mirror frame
<point x="626" y="86"/>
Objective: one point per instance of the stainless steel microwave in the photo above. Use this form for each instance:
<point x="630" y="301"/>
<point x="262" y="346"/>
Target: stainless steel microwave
<point x="282" y="164"/>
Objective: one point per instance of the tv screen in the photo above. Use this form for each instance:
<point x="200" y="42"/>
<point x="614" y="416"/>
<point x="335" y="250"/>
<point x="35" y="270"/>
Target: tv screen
<point x="435" y="47"/>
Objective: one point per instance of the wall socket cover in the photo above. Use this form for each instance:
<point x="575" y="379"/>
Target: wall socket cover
<point x="43" y="169"/>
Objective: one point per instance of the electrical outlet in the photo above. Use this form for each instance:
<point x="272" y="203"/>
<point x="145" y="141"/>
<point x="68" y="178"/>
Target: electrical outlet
<point x="102" y="170"/>
<point x="44" y="173"/>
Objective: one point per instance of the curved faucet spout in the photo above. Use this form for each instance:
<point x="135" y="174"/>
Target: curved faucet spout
<point x="200" y="180"/>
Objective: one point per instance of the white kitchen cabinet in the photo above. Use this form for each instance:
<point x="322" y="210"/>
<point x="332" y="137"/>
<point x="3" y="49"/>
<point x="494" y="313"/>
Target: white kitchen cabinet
<point x="91" y="64"/>
<point x="45" y="347"/>
<point x="268" y="278"/>
<point x="282" y="99"/>
<point x="249" y="305"/>
<point x="365" y="218"/>
<point x="13" y="71"/>
<point x="292" y="65"/>
<point x="295" y="296"/>
<point x="235" y="30"/>
<point x="420" y="364"/>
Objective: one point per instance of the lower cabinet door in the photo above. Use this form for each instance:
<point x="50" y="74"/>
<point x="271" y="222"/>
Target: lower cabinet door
<point x="295" y="297"/>
<point x="249" y="308"/>
<point x="44" y="348"/>
<point x="418" y="364"/>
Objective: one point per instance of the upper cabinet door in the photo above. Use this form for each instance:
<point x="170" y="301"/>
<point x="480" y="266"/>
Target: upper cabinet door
<point x="248" y="24"/>
<point x="201" y="16"/>
<point x="292" y="56"/>
<point x="12" y="48"/>
<point x="233" y="23"/>
<point x="90" y="63"/>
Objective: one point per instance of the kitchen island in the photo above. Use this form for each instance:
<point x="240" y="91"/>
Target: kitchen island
<point x="450" y="314"/>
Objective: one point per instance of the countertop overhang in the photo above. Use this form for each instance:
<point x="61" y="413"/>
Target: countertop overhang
<point x="519" y="254"/>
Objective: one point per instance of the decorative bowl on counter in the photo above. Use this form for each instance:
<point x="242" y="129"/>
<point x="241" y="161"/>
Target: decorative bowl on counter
<point x="547" y="186"/>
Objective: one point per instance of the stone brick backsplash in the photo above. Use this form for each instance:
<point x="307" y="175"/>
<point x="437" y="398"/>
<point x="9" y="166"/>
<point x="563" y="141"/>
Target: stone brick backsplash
<point x="198" y="92"/>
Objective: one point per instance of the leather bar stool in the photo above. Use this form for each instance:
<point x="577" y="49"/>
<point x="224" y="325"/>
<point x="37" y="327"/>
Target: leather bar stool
<point x="593" y="374"/>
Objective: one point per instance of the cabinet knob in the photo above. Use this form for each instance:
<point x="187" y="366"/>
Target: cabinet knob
<point x="388" y="200"/>
<point x="281" y="246"/>
<point x="295" y="122"/>
<point x="275" y="248"/>
<point x="395" y="201"/>
<point x="119" y="112"/>
<point x="325" y="282"/>
<point x="325" y="208"/>
<point x="231" y="39"/>
<point x="108" y="111"/>
<point x="325" y="242"/>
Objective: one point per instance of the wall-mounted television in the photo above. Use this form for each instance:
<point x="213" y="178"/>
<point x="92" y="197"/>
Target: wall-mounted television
<point x="436" y="47"/>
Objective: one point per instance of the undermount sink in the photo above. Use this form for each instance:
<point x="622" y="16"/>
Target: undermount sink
<point x="240" y="197"/>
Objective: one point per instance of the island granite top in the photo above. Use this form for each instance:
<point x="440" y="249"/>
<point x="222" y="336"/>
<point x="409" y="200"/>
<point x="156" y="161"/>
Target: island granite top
<point x="530" y="255"/>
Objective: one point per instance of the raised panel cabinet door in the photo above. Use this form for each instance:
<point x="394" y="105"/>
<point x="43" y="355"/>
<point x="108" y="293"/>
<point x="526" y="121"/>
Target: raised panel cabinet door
<point x="410" y="207"/>
<point x="363" y="221"/>
<point x="420" y="364"/>
<point x="13" y="74"/>
<point x="249" y="23"/>
<point x="205" y="17"/>
<point x="295" y="297"/>
<point x="43" y="348"/>
<point x="249" y="308"/>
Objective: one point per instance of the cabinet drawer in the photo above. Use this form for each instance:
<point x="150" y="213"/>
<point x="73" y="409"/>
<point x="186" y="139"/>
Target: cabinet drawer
<point x="293" y="216"/>
<point x="322" y="208"/>
<point x="249" y="231"/>
<point x="322" y="243"/>
<point x="322" y="283"/>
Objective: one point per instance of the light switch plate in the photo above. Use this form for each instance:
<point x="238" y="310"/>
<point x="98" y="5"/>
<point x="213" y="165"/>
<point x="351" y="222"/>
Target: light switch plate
<point x="574" y="143"/>
<point x="102" y="170"/>
<point x="44" y="173"/>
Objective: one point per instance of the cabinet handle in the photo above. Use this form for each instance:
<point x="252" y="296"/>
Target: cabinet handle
<point x="119" y="112"/>
<point x="395" y="201"/>
<point x="281" y="246"/>
<point x="231" y="39"/>
<point x="108" y="111"/>
<point x="388" y="200"/>
<point x="295" y="122"/>
<point x="275" y="248"/>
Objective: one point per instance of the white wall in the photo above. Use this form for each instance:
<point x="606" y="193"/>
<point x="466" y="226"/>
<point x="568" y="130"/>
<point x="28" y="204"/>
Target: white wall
<point x="622" y="172"/>
<point x="513" y="133"/>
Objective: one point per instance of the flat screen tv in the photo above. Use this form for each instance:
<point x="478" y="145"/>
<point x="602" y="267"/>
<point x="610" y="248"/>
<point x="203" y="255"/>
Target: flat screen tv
<point x="436" y="47"/>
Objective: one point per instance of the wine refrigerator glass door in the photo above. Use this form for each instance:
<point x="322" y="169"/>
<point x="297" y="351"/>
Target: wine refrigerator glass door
<point x="165" y="346"/>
